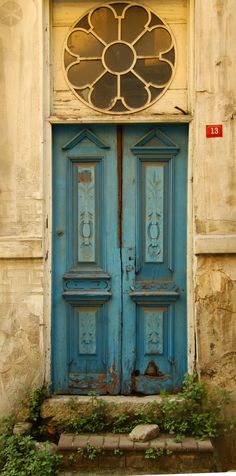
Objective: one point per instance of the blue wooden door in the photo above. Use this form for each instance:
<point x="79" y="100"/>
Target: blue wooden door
<point x="119" y="258"/>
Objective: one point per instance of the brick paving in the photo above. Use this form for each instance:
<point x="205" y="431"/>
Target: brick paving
<point x="118" y="455"/>
<point x="111" y="442"/>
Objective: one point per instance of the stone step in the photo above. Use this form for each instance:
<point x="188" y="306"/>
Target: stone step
<point x="65" y="407"/>
<point x="119" y="453"/>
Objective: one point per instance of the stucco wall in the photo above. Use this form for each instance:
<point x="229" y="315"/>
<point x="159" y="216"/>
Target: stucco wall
<point x="216" y="324"/>
<point x="21" y="332"/>
<point x="214" y="199"/>
<point x="21" y="200"/>
<point x="212" y="252"/>
<point x="215" y="103"/>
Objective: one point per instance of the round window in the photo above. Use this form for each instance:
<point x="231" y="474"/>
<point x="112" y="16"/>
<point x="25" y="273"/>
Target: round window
<point x="119" y="58"/>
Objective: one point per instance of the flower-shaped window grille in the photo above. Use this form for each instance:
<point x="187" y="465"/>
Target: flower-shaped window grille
<point x="119" y="58"/>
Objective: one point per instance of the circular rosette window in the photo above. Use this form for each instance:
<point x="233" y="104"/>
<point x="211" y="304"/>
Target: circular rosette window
<point x="119" y="58"/>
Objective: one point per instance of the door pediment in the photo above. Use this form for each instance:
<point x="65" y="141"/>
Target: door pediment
<point x="85" y="135"/>
<point x="155" y="142"/>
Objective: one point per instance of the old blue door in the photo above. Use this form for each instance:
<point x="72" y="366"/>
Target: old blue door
<point x="119" y="258"/>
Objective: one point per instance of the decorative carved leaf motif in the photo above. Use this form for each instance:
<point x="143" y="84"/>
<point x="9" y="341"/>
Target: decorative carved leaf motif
<point x="154" y="213"/>
<point x="86" y="213"/>
<point x="87" y="332"/>
<point x="153" y="332"/>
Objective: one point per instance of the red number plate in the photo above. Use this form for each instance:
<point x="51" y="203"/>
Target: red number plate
<point x="214" y="130"/>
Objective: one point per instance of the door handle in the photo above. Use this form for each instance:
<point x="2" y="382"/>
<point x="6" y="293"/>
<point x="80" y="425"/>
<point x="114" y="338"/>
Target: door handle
<point x="128" y="256"/>
<point x="128" y="269"/>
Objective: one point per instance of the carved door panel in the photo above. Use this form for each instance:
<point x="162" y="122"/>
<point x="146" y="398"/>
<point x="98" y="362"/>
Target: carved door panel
<point x="119" y="317"/>
<point x="154" y="258"/>
<point x="86" y="261"/>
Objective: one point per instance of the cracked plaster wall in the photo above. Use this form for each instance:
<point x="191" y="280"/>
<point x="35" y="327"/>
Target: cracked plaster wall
<point x="21" y="330"/>
<point x="215" y="293"/>
<point x="214" y="198"/>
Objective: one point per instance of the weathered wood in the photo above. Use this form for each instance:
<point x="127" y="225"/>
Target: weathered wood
<point x="64" y="15"/>
<point x="67" y="105"/>
<point x="158" y="118"/>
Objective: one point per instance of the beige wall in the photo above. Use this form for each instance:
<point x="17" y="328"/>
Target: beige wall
<point x="215" y="96"/>
<point x="216" y="325"/>
<point x="25" y="307"/>
<point x="214" y="185"/>
<point x="21" y="200"/>
<point x="21" y="346"/>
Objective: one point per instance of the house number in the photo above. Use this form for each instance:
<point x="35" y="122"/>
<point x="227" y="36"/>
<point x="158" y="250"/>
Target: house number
<point x="214" y="130"/>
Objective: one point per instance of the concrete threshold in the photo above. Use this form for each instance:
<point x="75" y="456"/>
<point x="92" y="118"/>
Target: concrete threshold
<point x="64" y="406"/>
<point x="117" y="399"/>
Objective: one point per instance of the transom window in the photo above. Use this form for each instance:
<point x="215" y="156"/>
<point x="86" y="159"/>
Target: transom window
<point x="119" y="58"/>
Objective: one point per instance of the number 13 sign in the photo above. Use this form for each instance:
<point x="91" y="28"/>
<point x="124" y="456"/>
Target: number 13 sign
<point x="214" y="130"/>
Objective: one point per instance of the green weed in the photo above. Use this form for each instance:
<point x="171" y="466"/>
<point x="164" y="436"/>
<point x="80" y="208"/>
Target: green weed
<point x="123" y="423"/>
<point x="36" y="398"/>
<point x="90" y="452"/>
<point x="155" y="453"/>
<point x="72" y="458"/>
<point x="96" y="420"/>
<point x="118" y="452"/>
<point x="18" y="457"/>
<point x="195" y="412"/>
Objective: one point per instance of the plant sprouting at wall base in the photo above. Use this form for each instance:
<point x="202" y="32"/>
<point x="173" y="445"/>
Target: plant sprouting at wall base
<point x="194" y="412"/>
<point x="155" y="453"/>
<point x="90" y="452"/>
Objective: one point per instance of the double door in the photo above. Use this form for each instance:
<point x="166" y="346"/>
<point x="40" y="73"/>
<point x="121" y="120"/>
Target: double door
<point x="119" y="258"/>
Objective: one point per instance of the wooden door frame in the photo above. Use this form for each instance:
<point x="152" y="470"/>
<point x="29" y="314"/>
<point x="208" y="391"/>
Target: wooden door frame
<point x="45" y="11"/>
